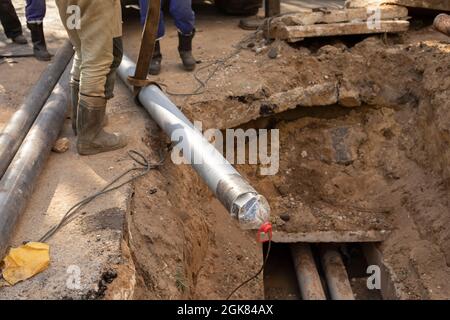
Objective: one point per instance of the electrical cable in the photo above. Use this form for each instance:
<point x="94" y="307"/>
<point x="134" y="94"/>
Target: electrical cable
<point x="256" y="275"/>
<point x="16" y="55"/>
<point x="138" y="158"/>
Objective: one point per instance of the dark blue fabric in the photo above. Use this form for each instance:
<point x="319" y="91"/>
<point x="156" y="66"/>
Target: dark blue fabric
<point x="35" y="10"/>
<point x="181" y="12"/>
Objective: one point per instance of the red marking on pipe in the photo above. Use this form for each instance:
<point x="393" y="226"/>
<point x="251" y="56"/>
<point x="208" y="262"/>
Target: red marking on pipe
<point x="264" y="233"/>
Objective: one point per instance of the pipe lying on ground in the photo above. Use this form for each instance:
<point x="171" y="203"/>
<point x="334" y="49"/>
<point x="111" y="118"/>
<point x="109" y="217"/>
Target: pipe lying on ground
<point x="16" y="185"/>
<point x="336" y="274"/>
<point x="20" y="123"/>
<point x="239" y="198"/>
<point x="307" y="275"/>
<point x="442" y="23"/>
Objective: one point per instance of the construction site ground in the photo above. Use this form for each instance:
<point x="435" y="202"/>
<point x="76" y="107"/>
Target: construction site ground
<point x="364" y="126"/>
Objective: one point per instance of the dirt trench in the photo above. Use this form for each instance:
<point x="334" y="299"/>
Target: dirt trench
<point x="374" y="149"/>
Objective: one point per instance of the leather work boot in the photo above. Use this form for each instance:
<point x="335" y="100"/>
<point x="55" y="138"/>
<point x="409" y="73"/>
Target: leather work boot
<point x="185" y="50"/>
<point x="92" y="139"/>
<point x="155" y="65"/>
<point x="38" y="39"/>
<point x="20" y="39"/>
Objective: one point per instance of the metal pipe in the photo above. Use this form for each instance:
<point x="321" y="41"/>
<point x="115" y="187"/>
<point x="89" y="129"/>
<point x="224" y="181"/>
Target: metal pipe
<point x="336" y="274"/>
<point x="234" y="192"/>
<point x="442" y="23"/>
<point x="16" y="185"/>
<point x="20" y="123"/>
<point x="307" y="275"/>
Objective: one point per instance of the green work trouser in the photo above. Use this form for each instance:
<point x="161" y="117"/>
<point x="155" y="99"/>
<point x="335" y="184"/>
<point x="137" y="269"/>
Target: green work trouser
<point x="95" y="30"/>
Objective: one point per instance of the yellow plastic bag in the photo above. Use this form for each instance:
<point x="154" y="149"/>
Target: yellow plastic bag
<point x="26" y="261"/>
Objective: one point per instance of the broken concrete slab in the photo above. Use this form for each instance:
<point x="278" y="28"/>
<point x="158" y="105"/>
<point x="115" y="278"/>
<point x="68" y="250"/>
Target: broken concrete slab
<point x="388" y="12"/>
<point x="425" y="4"/>
<point x="315" y="4"/>
<point x="365" y="20"/>
<point x="296" y="33"/>
<point x="324" y="94"/>
<point x="330" y="236"/>
<point x="348" y="96"/>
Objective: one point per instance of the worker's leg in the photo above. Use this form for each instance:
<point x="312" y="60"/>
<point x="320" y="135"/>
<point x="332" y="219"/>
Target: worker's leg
<point x="155" y="65"/>
<point x="117" y="59"/>
<point x="184" y="16"/>
<point x="10" y="21"/>
<point x="76" y="66"/>
<point x="35" y="13"/>
<point x="75" y="87"/>
<point x="98" y="44"/>
<point x="143" y="4"/>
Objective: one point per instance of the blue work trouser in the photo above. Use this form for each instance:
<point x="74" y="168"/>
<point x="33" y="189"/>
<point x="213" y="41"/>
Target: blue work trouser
<point x="35" y="11"/>
<point x="181" y="12"/>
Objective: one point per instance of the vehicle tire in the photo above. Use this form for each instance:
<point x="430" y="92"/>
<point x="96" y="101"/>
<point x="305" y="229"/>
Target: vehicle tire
<point x="239" y="7"/>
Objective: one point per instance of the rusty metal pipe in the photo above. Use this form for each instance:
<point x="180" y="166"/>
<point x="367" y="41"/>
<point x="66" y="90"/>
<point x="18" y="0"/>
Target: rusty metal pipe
<point x="336" y="275"/>
<point x="20" y="123"/>
<point x="16" y="185"/>
<point x="307" y="275"/>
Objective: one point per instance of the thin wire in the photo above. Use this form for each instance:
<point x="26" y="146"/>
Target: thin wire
<point x="201" y="88"/>
<point x="221" y="62"/>
<point x="263" y="267"/>
<point x="138" y="158"/>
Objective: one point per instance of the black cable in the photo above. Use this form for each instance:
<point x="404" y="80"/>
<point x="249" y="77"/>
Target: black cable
<point x="16" y="55"/>
<point x="256" y="275"/>
<point x="138" y="158"/>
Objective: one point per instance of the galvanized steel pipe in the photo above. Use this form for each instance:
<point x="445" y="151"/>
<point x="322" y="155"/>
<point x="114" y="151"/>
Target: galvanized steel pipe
<point x="16" y="185"/>
<point x="16" y="129"/>
<point x="234" y="192"/>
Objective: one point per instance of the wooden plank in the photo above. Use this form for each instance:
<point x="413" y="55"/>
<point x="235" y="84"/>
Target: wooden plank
<point x="338" y="29"/>
<point x="388" y="12"/>
<point x="426" y="4"/>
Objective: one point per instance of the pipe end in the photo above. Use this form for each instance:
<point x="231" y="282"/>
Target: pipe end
<point x="252" y="210"/>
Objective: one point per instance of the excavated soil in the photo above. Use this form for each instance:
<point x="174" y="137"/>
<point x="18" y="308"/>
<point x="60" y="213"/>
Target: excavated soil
<point x="364" y="135"/>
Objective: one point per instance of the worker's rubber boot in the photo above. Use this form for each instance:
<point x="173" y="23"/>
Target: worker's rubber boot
<point x="92" y="139"/>
<point x="155" y="65"/>
<point x="75" y="95"/>
<point x="38" y="39"/>
<point x="185" y="50"/>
